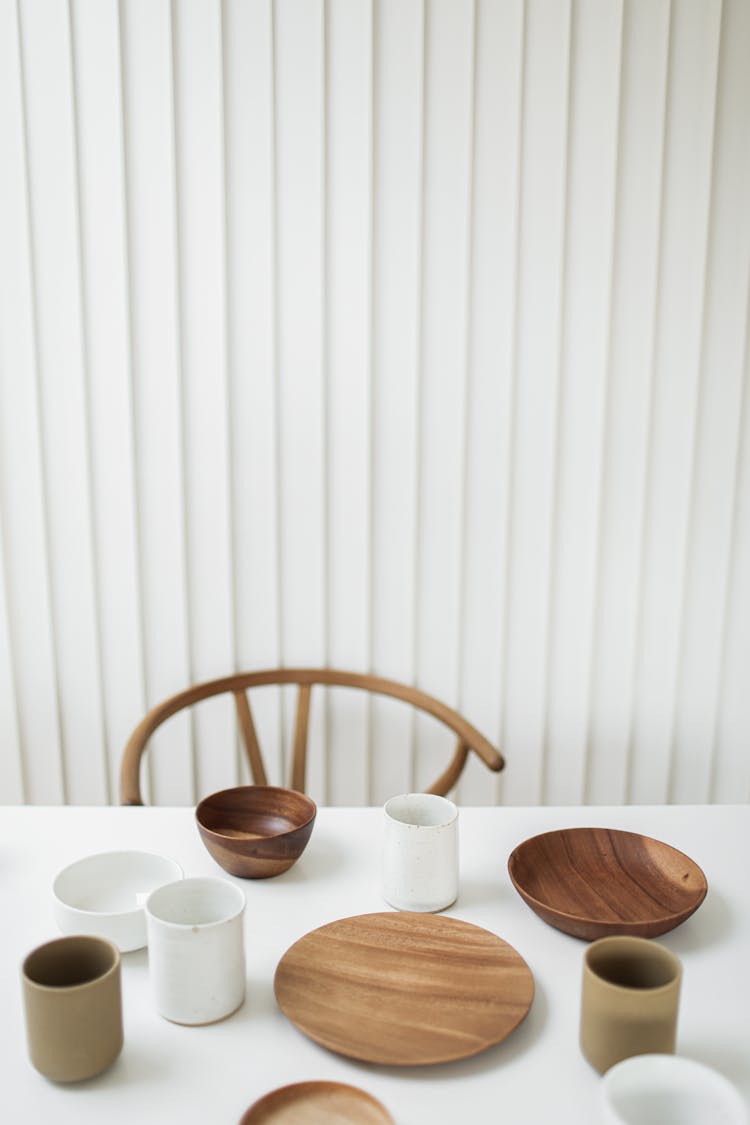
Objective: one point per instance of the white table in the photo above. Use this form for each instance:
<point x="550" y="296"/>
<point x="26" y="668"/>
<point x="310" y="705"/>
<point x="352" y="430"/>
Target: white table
<point x="211" y="1074"/>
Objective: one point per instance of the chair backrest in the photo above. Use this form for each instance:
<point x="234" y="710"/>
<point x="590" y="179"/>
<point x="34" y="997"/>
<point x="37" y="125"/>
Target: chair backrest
<point x="468" y="737"/>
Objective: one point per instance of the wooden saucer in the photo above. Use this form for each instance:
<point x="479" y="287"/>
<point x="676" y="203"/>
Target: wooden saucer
<point x="310" y="1103"/>
<point x="593" y="882"/>
<point x="404" y="989"/>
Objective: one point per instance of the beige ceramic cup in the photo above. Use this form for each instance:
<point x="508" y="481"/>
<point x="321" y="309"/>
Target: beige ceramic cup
<point x="630" y="999"/>
<point x="72" y="998"/>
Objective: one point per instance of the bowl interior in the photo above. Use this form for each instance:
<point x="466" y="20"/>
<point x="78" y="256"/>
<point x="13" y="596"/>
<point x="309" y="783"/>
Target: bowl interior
<point x="113" y="882"/>
<point x="669" y="1090"/>
<point x="606" y="875"/>
<point x="252" y="812"/>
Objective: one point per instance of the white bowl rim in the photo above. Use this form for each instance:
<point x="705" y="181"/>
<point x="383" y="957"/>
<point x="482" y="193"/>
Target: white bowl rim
<point x="679" y="1064"/>
<point x="84" y="859"/>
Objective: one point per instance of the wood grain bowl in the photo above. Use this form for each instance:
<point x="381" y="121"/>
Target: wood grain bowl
<point x="594" y="882"/>
<point x="256" y="831"/>
<point x="311" y="1103"/>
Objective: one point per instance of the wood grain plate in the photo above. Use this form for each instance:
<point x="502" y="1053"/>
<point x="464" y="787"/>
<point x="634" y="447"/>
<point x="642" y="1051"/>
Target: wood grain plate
<point x="311" y="1103"/>
<point x="404" y="989"/>
<point x="593" y="882"/>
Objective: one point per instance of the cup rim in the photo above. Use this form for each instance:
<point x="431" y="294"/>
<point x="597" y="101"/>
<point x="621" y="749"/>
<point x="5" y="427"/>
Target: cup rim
<point x="68" y="939"/>
<point x="431" y="798"/>
<point x="182" y="927"/>
<point x="634" y="941"/>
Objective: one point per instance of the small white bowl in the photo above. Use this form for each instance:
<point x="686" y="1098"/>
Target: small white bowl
<point x="670" y="1090"/>
<point x="104" y="895"/>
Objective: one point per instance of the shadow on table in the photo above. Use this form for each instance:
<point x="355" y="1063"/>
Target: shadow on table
<point x="730" y="1059"/>
<point x="709" y="925"/>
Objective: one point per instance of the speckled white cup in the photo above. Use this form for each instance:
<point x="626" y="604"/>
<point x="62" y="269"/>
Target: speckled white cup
<point x="420" y="852"/>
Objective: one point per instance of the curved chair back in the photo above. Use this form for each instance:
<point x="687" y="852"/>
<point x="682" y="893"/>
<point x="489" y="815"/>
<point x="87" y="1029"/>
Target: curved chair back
<point x="469" y="738"/>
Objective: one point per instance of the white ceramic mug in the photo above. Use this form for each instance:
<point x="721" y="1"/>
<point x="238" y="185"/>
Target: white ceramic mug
<point x="420" y="852"/>
<point x="196" y="950"/>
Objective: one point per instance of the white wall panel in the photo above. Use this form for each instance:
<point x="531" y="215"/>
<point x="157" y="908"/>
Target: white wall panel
<point x="544" y="177"/>
<point x="407" y="336"/>
<point x="396" y="344"/>
<point x="201" y="230"/>
<point x="592" y="168"/>
<point x="30" y="638"/>
<point x="300" y="142"/>
<point x="638" y="209"/>
<point x="691" y="105"/>
<point x="498" y="84"/>
<point x="348" y="242"/>
<point x="104" y="264"/>
<point x="719" y="418"/>
<point x="11" y="761"/>
<point x="157" y="379"/>
<point x="52" y="148"/>
<point x="251" y="349"/>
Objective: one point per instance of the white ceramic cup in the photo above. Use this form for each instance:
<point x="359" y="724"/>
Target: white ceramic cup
<point x="420" y="852"/>
<point x="196" y="950"/>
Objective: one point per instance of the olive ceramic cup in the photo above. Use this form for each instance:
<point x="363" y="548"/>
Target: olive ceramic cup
<point x="630" y="1000"/>
<point x="73" y="1005"/>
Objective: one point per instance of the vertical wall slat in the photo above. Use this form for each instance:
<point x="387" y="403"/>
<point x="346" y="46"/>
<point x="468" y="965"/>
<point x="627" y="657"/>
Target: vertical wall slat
<point x="731" y="762"/>
<point x="542" y="231"/>
<point x="30" y="638"/>
<point x="52" y="155"/>
<point x="397" y="179"/>
<point x="12" y="789"/>
<point x="249" y="133"/>
<point x="498" y="90"/>
<point x="645" y="64"/>
<point x="719" y="420"/>
<point x="348" y="305"/>
<point x="592" y="158"/>
<point x="98" y="88"/>
<point x="687" y="191"/>
<point x="497" y="160"/>
<point x="199" y="128"/>
<point x="449" y="48"/>
<point x="152" y="226"/>
<point x="299" y="40"/>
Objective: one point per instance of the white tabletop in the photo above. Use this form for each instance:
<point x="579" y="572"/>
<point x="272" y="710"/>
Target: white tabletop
<point x="211" y="1074"/>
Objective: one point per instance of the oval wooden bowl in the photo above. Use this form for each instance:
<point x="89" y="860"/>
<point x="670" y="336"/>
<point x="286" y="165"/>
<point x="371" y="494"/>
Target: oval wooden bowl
<point x="593" y="882"/>
<point x="256" y="831"/>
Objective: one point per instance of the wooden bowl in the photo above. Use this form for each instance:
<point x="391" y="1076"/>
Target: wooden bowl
<point x="593" y="882"/>
<point x="256" y="831"/>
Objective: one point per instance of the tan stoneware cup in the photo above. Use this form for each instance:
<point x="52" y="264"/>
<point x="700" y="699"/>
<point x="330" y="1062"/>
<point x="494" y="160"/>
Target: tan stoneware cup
<point x="73" y="1004"/>
<point x="630" y="1000"/>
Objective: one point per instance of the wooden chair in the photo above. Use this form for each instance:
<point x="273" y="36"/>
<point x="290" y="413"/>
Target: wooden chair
<point x="468" y="737"/>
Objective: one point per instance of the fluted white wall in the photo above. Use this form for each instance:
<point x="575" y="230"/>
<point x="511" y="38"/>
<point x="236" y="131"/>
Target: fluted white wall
<point x="396" y="335"/>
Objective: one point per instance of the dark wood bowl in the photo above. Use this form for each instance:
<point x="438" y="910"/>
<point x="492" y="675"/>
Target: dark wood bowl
<point x="593" y="882"/>
<point x="256" y="831"/>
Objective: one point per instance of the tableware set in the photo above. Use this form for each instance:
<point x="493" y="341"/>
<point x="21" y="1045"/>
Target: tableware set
<point x="389" y="998"/>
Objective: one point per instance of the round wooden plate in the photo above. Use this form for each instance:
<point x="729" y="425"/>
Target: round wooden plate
<point x="593" y="882"/>
<point x="310" y="1103"/>
<point x="404" y="989"/>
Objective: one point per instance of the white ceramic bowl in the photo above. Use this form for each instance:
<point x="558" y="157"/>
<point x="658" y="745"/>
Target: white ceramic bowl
<point x="670" y="1090"/>
<point x="105" y="894"/>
